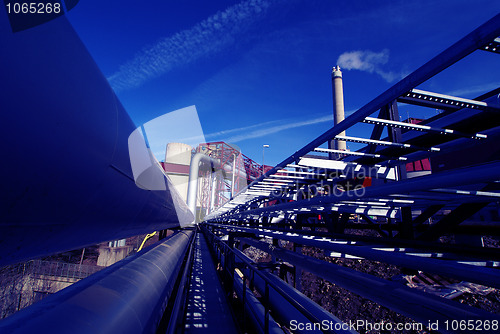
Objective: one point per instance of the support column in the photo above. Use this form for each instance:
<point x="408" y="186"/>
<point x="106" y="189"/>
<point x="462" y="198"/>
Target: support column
<point x="392" y="113"/>
<point x="297" y="273"/>
<point x="406" y="224"/>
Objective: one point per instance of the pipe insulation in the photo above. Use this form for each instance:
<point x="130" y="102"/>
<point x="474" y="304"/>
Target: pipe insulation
<point x="127" y="297"/>
<point x="67" y="177"/>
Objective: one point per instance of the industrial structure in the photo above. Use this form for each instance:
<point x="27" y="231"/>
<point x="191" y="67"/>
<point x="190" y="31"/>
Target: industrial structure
<point x="207" y="177"/>
<point x="236" y="172"/>
<point x="188" y="281"/>
<point x="315" y="196"/>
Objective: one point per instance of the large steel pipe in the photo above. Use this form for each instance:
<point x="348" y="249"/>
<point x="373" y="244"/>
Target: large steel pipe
<point x="194" y="169"/>
<point x="254" y="309"/>
<point x="66" y="175"/>
<point x="128" y="297"/>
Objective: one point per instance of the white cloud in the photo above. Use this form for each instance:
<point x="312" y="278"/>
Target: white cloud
<point x="268" y="128"/>
<point x="368" y="61"/>
<point x="473" y="91"/>
<point x="219" y="134"/>
<point x="251" y="131"/>
<point x="205" y="38"/>
<point x="262" y="132"/>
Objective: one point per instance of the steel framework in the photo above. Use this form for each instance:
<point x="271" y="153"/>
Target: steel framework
<point x="234" y="171"/>
<point x="309" y="198"/>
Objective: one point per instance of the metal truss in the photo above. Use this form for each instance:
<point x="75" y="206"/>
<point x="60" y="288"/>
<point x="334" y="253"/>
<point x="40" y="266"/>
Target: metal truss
<point x="310" y="180"/>
<point x="236" y="172"/>
<point x="320" y="197"/>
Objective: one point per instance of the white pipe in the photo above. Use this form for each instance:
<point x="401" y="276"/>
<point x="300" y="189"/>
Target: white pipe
<point x="234" y="174"/>
<point x="214" y="188"/>
<point x="193" y="176"/>
<point x="229" y="170"/>
<point x="194" y="169"/>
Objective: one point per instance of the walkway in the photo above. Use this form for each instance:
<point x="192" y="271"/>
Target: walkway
<point x="207" y="309"/>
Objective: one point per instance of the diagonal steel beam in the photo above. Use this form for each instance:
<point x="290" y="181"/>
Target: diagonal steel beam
<point x="453" y="219"/>
<point x="473" y="41"/>
<point x="398" y="297"/>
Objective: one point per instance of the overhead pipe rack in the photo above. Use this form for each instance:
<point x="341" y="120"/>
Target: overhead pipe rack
<point x="410" y="213"/>
<point x="312" y="169"/>
<point x="130" y="296"/>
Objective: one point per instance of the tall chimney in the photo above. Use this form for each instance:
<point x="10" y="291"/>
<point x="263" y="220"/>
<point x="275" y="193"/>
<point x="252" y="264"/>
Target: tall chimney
<point x="338" y="107"/>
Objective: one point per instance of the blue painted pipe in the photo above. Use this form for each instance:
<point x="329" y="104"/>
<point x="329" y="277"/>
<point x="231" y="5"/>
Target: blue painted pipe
<point x="66" y="174"/>
<point x="128" y="297"/>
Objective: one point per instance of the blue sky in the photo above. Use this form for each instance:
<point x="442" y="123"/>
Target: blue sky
<point x="258" y="71"/>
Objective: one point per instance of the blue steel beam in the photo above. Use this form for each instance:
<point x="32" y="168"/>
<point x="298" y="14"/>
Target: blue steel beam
<point x="465" y="176"/>
<point x="285" y="310"/>
<point x="289" y="303"/>
<point x="473" y="41"/>
<point x="415" y="304"/>
<point x="455" y="251"/>
<point x="452" y="269"/>
<point x="449" y="147"/>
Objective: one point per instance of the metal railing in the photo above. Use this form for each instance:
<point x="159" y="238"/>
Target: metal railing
<point x="271" y="289"/>
<point x="61" y="269"/>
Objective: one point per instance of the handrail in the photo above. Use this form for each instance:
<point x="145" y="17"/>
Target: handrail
<point x="269" y="283"/>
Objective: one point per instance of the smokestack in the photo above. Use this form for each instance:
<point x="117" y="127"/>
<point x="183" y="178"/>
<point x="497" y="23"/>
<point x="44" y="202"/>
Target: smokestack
<point x="338" y="107"/>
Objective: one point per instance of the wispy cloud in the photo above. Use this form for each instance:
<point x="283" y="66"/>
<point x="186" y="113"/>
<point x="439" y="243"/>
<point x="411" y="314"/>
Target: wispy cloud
<point x="220" y="135"/>
<point x="473" y="91"/>
<point x="255" y="127"/>
<point x="368" y="61"/>
<point x="265" y="131"/>
<point x="203" y="39"/>
<point x="268" y="128"/>
<point x="252" y="131"/>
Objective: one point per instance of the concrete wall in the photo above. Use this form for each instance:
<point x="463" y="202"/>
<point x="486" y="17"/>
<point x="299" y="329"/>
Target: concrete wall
<point x="109" y="255"/>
